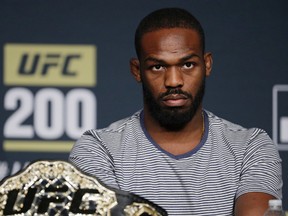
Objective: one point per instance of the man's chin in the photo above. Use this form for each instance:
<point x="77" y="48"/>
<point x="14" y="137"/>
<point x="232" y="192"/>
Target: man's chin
<point x="173" y="119"/>
<point x="176" y="110"/>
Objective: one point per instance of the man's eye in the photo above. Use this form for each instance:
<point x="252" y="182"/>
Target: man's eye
<point x="157" y="67"/>
<point x="188" y="65"/>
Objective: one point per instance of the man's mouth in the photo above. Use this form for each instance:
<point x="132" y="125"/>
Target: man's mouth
<point x="175" y="100"/>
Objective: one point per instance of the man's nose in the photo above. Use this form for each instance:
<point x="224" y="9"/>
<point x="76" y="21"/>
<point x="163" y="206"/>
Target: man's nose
<point x="173" y="78"/>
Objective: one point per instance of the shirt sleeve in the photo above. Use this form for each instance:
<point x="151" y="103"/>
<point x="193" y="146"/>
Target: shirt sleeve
<point x="91" y="156"/>
<point x="261" y="169"/>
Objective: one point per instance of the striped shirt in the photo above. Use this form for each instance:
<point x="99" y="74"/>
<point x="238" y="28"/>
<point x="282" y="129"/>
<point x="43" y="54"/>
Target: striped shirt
<point x="229" y="161"/>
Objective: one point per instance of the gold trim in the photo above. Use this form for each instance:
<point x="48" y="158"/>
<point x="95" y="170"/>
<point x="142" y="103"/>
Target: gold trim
<point x="43" y="175"/>
<point x="137" y="209"/>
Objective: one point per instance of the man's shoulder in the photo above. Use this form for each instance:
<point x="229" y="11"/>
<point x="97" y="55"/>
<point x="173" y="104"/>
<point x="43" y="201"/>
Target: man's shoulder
<point x="118" y="126"/>
<point x="217" y="121"/>
<point x="232" y="131"/>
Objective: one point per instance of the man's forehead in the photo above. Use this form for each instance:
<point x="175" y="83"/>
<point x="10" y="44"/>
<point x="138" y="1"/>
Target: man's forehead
<point x="175" y="40"/>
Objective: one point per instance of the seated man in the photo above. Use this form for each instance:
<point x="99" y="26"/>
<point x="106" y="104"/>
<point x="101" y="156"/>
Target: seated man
<point x="174" y="152"/>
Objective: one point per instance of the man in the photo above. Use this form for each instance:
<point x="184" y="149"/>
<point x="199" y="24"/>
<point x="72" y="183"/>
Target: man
<point x="173" y="152"/>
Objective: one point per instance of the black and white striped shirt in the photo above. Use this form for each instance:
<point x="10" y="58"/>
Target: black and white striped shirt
<point x="229" y="161"/>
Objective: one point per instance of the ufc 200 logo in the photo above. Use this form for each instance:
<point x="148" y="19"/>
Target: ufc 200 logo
<point x="42" y="101"/>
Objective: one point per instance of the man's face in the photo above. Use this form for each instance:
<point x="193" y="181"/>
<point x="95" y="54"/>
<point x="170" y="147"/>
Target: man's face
<point x="172" y="71"/>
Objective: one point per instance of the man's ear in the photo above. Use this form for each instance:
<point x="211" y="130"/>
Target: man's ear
<point x="208" y="63"/>
<point x="135" y="69"/>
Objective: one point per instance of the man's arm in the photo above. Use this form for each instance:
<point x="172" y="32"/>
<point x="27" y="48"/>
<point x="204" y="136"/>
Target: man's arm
<point x="252" y="204"/>
<point x="261" y="176"/>
<point x="91" y="156"/>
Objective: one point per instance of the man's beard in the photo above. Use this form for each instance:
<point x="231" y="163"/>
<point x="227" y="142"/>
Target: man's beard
<point x="173" y="118"/>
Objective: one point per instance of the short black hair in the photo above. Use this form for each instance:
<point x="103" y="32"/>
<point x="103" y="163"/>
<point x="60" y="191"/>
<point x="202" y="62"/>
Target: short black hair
<point x="167" y="18"/>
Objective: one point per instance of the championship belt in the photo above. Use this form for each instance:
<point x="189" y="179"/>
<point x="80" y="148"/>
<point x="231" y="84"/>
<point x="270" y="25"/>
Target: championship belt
<point x="58" y="188"/>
